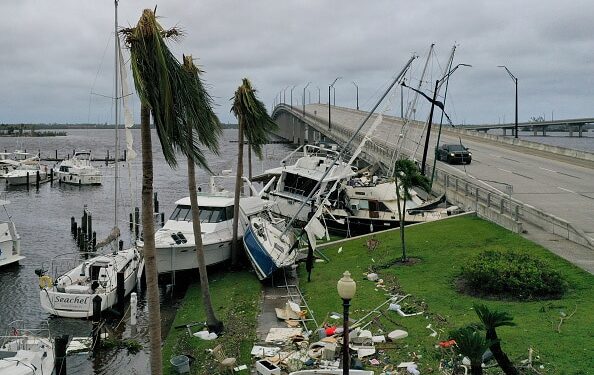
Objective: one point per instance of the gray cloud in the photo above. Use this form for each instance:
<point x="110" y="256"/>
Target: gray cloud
<point x="55" y="53"/>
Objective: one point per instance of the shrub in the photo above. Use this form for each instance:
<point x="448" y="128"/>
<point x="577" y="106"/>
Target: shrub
<point x="513" y="275"/>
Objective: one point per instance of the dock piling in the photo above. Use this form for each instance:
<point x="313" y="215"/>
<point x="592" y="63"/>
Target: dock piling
<point x="60" y="345"/>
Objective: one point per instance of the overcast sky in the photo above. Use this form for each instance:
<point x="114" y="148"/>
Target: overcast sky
<point x="55" y="53"/>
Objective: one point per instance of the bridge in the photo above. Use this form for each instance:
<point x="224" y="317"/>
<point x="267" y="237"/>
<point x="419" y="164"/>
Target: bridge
<point x="573" y="125"/>
<point x="520" y="185"/>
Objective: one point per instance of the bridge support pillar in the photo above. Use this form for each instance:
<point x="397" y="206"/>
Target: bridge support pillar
<point x="580" y="130"/>
<point x="570" y="130"/>
<point x="535" y="130"/>
<point x="544" y="131"/>
<point x="504" y="132"/>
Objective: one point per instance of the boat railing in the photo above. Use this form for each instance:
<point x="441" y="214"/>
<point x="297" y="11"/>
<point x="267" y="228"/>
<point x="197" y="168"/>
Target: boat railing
<point x="22" y="336"/>
<point x="64" y="263"/>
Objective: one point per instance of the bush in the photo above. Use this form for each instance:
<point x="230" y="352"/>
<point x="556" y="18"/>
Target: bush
<point x="512" y="275"/>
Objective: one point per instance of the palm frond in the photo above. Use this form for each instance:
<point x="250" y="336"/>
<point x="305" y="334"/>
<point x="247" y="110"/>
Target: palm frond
<point x="471" y="343"/>
<point x="408" y="175"/>
<point x="492" y="319"/>
<point x="251" y="113"/>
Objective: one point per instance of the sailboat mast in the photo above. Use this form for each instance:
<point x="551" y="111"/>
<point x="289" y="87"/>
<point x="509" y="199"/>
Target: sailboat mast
<point x="116" y="126"/>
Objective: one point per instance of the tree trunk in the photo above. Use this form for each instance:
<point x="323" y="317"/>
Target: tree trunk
<point x="476" y="369"/>
<point x="401" y="213"/>
<point x="148" y="228"/>
<point x="502" y="359"/>
<point x="235" y="244"/>
<point x="211" y="320"/>
<point x="250" y="165"/>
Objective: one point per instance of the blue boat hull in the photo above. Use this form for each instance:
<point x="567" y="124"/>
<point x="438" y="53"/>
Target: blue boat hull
<point x="260" y="258"/>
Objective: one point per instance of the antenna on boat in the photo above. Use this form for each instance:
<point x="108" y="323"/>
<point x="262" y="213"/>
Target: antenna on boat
<point x="116" y="126"/>
<point x="346" y="146"/>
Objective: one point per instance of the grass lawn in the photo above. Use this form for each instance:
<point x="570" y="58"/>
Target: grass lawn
<point x="440" y="249"/>
<point x="235" y="297"/>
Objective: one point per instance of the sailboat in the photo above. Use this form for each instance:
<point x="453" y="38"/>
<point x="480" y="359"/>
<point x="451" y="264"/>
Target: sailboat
<point x="26" y="351"/>
<point x="10" y="240"/>
<point x="75" y="284"/>
<point x="269" y="241"/>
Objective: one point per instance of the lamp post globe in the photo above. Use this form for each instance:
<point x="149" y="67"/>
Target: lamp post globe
<point x="346" y="287"/>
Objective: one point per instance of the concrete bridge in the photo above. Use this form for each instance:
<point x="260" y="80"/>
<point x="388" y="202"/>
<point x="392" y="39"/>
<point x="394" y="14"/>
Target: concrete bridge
<point x="573" y="125"/>
<point x="523" y="186"/>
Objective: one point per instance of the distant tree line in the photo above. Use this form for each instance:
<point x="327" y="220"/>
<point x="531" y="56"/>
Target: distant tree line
<point x="17" y="127"/>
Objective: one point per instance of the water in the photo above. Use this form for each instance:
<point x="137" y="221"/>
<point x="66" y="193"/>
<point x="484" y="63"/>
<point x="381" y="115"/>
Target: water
<point x="43" y="220"/>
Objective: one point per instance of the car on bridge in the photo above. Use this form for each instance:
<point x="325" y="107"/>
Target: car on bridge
<point x="454" y="153"/>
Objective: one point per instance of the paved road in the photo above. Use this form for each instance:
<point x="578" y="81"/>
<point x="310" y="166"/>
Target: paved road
<point x="551" y="184"/>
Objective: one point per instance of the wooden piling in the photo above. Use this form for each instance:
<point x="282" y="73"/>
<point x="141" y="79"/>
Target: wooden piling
<point x="73" y="226"/>
<point x="37" y="180"/>
<point x="107" y="158"/>
<point x="90" y="227"/>
<point x="27" y="180"/>
<point x="155" y="202"/>
<point x="131" y="222"/>
<point x="136" y="221"/>
<point x="96" y="332"/>
<point x="60" y="345"/>
<point x="121" y="245"/>
<point x="94" y="241"/>
<point x="162" y="219"/>
<point x="120" y="291"/>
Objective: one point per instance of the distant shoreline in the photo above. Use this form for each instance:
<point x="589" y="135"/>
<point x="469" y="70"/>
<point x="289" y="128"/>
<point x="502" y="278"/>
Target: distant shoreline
<point x="29" y="127"/>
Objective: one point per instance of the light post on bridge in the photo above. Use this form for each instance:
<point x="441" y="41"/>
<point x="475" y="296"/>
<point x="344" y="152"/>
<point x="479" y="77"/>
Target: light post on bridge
<point x="292" y="88"/>
<point x="329" y="108"/>
<point x="357" y="94"/>
<point x="515" y="79"/>
<point x="319" y="91"/>
<point x="304" y="88"/>
<point x="285" y="95"/>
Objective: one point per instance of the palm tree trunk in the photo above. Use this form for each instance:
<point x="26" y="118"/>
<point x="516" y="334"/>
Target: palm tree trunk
<point x="250" y="164"/>
<point x="148" y="228"/>
<point x="476" y="369"/>
<point x="211" y="320"/>
<point x="401" y="213"/>
<point x="235" y="245"/>
<point x="502" y="359"/>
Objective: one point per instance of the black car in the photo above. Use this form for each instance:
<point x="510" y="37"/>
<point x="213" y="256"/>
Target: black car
<point x="454" y="153"/>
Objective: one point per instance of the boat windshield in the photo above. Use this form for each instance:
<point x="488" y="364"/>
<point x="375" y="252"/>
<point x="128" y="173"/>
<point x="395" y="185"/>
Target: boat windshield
<point x="207" y="214"/>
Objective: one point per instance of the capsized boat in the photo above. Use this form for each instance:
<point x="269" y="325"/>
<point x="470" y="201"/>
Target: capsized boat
<point x="78" y="170"/>
<point x="70" y="294"/>
<point x="26" y="351"/>
<point x="10" y="240"/>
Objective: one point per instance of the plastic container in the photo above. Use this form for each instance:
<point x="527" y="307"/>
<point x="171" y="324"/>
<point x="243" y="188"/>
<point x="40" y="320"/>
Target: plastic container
<point x="180" y="364"/>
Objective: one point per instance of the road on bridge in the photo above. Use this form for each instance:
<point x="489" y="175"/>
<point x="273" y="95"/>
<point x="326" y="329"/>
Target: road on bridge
<point x="551" y="184"/>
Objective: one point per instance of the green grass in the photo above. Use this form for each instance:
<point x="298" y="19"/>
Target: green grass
<point x="441" y="248"/>
<point x="235" y="297"/>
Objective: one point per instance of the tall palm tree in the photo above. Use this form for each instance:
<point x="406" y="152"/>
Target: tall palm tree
<point x="491" y="320"/>
<point x="210" y="119"/>
<point x="257" y="125"/>
<point x="407" y="176"/>
<point x="472" y="344"/>
<point x="172" y="96"/>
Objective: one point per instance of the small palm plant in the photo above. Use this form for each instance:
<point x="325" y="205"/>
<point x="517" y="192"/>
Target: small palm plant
<point x="491" y="320"/>
<point x="471" y="343"/>
<point x="407" y="176"/>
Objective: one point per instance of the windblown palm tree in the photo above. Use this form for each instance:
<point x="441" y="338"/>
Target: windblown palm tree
<point x="407" y="175"/>
<point x="168" y="92"/>
<point x="472" y="344"/>
<point x="257" y="125"/>
<point x="491" y="320"/>
<point x="212" y="129"/>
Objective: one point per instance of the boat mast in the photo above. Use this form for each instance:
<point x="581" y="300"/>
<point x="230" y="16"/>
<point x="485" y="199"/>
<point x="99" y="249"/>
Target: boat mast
<point x="116" y="126"/>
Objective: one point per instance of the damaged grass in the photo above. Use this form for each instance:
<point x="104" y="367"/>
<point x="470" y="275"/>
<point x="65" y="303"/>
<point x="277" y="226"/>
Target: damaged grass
<point x="235" y="297"/>
<point x="559" y="331"/>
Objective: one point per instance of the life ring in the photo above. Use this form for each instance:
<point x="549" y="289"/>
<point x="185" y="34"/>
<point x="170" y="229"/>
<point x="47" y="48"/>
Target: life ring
<point x="45" y="282"/>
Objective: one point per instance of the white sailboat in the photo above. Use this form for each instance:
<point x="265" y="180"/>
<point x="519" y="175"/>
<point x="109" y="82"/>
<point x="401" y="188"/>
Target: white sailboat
<point x="10" y="240"/>
<point x="26" y="351"/>
<point x="78" y="170"/>
<point x="69" y="285"/>
<point x="269" y="242"/>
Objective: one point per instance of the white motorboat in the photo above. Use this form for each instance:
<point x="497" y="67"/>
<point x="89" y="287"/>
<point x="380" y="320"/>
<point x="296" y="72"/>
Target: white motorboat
<point x="27" y="173"/>
<point x="174" y="243"/>
<point x="7" y="163"/>
<point x="26" y="351"/>
<point x="78" y="170"/>
<point x="297" y="181"/>
<point x="70" y="294"/>
<point x="10" y="240"/>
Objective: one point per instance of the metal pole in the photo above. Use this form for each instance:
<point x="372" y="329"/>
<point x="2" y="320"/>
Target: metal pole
<point x="345" y="340"/>
<point x="516" y="107"/>
<point x="292" y="88"/>
<point x="357" y="87"/>
<point x="429" y="129"/>
<point x="319" y="91"/>
<point x="305" y="87"/>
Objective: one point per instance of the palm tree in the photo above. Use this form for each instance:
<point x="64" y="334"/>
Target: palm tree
<point x="210" y="119"/>
<point x="257" y="125"/>
<point x="491" y="320"/>
<point x="172" y="96"/>
<point x="471" y="343"/>
<point x="407" y="175"/>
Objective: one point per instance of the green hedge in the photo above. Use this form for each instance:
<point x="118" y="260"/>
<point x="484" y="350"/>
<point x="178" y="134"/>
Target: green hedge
<point x="512" y="275"/>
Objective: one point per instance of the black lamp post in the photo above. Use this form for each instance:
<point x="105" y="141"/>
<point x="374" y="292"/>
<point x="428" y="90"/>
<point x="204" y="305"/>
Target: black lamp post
<point x="515" y="79"/>
<point x="357" y="94"/>
<point x="346" y="287"/>
<point x="305" y="87"/>
<point x="329" y="111"/>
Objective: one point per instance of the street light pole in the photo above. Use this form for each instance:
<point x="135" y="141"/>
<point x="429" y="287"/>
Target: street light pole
<point x="305" y="87"/>
<point x="319" y="91"/>
<point x="357" y="94"/>
<point x="346" y="287"/>
<point x="515" y="79"/>
<point x="329" y="111"/>
<point x="285" y="95"/>
<point x="292" y="88"/>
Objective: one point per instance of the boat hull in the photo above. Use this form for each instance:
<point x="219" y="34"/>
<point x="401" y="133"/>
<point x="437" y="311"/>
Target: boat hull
<point x="261" y="260"/>
<point x="75" y="179"/>
<point x="180" y="258"/>
<point x="22" y="180"/>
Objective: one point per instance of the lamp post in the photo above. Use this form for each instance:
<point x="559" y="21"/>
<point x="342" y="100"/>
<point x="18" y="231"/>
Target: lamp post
<point x="319" y="91"/>
<point x="346" y="290"/>
<point x="515" y="79"/>
<point x="292" y="88"/>
<point x="285" y="95"/>
<point x="357" y="87"/>
<point x="329" y="112"/>
<point x="304" y="88"/>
